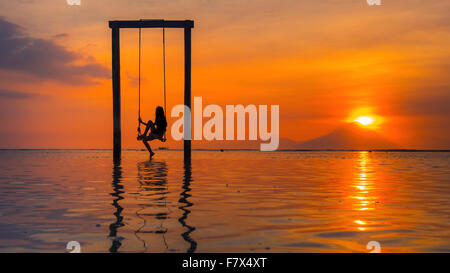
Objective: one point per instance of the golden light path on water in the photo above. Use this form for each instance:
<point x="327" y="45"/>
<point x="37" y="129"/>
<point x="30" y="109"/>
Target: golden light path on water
<point x="363" y="184"/>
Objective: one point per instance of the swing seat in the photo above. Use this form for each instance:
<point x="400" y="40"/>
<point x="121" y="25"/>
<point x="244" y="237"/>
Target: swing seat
<point x="154" y="136"/>
<point x="160" y="138"/>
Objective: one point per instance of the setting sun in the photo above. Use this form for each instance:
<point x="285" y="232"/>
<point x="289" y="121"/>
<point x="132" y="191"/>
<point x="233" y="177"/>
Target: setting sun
<point x="366" y="117"/>
<point x="365" y="120"/>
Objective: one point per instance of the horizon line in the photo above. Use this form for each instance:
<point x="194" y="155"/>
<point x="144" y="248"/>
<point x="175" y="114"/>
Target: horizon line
<point x="230" y="149"/>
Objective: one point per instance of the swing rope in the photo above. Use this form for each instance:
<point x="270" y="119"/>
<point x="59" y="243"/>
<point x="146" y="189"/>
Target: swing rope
<point x="139" y="111"/>
<point x="164" y="69"/>
<point x="163" y="139"/>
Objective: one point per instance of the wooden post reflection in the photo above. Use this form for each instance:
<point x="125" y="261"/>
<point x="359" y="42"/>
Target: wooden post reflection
<point x="186" y="204"/>
<point x="117" y="194"/>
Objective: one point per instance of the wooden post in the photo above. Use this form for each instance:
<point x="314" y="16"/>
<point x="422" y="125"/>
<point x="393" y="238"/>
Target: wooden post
<point x="116" y="91"/>
<point x="187" y="92"/>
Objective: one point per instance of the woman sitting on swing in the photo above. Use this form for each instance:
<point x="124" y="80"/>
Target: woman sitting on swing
<point x="157" y="129"/>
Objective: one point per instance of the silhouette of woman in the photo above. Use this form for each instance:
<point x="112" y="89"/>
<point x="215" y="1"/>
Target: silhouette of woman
<point x="157" y="129"/>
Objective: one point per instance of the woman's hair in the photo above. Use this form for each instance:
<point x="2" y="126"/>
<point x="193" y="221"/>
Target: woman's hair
<point x="160" y="118"/>
<point x="159" y="111"/>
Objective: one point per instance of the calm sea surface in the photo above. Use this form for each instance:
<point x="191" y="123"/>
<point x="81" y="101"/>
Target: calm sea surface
<point x="235" y="201"/>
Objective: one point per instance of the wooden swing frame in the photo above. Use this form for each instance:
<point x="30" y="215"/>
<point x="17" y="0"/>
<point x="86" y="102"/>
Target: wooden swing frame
<point x="115" y="26"/>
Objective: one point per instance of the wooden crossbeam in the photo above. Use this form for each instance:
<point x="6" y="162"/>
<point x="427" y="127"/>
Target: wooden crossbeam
<point x="144" y="23"/>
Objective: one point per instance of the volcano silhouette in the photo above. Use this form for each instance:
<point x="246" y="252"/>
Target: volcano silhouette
<point x="350" y="136"/>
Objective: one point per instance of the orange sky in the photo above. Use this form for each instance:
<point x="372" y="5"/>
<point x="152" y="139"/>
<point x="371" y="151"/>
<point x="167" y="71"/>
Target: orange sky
<point x="319" y="60"/>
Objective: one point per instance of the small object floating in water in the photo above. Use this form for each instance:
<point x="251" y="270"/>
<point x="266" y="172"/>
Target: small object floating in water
<point x="98" y="225"/>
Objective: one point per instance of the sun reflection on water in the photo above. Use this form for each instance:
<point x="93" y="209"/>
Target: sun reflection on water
<point x="363" y="184"/>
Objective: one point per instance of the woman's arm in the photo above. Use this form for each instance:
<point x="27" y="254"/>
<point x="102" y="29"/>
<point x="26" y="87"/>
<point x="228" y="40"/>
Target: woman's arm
<point x="140" y="121"/>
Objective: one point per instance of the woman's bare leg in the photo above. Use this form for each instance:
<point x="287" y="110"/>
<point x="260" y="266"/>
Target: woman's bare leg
<point x="149" y="149"/>
<point x="150" y="126"/>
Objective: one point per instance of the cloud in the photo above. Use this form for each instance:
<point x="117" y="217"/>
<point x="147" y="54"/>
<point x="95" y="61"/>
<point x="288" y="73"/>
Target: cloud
<point x="422" y="104"/>
<point x="60" y="36"/>
<point x="45" y="59"/>
<point x="134" y="80"/>
<point x="9" y="94"/>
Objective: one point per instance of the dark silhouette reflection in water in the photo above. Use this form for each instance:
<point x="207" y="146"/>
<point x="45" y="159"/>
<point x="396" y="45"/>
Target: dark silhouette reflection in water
<point x="117" y="194"/>
<point x="186" y="204"/>
<point x="152" y="202"/>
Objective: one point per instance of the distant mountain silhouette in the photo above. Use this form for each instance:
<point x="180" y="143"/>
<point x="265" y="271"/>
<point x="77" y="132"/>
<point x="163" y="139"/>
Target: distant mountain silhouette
<point x="284" y="143"/>
<point x="350" y="136"/>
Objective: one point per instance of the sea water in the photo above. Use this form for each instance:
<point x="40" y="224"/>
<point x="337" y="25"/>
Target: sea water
<point x="232" y="201"/>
